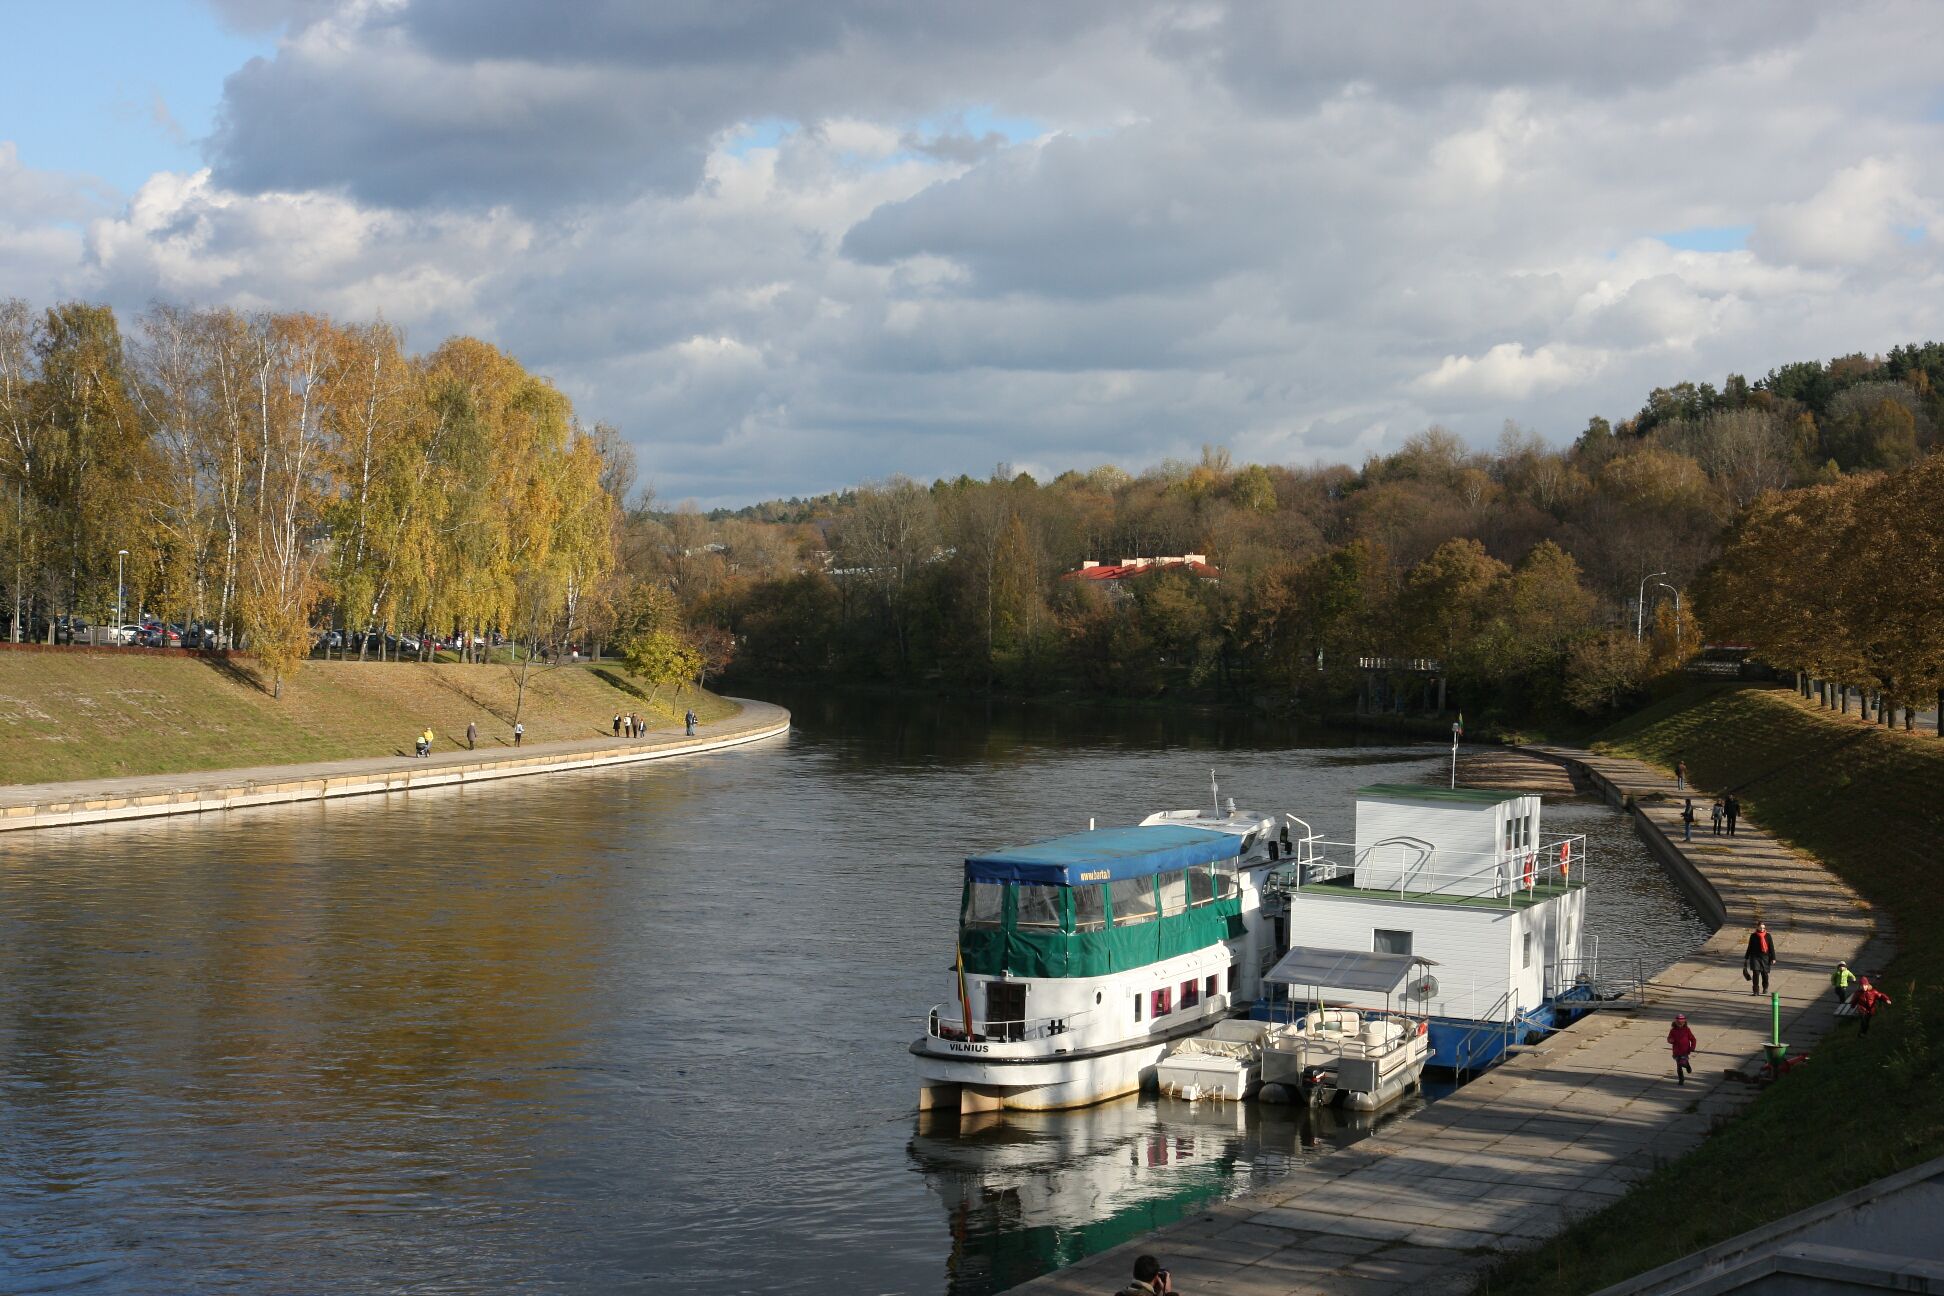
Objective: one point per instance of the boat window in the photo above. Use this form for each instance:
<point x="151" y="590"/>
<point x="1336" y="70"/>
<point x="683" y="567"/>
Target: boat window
<point x="1224" y="871"/>
<point x="1133" y="900"/>
<point x="1211" y="986"/>
<point x="1089" y="907"/>
<point x="1190" y="994"/>
<point x="1038" y="906"/>
<point x="985" y="904"/>
<point x="1201" y="885"/>
<point x="1163" y="1002"/>
<point x="1390" y="942"/>
<point x="1174" y="892"/>
<point x="1527" y="939"/>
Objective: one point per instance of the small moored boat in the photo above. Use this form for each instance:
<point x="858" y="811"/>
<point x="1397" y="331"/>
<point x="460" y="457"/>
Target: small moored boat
<point x="1335" y="1056"/>
<point x="1222" y="1062"/>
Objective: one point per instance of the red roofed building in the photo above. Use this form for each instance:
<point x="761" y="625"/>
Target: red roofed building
<point x="1127" y="568"/>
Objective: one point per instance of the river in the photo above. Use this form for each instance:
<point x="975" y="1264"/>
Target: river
<point x="630" y="1030"/>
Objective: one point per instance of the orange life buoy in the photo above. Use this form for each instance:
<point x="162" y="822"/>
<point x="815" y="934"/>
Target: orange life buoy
<point x="1530" y="872"/>
<point x="1565" y="860"/>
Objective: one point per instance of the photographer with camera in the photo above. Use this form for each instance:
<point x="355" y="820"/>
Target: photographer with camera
<point x="1150" y="1279"/>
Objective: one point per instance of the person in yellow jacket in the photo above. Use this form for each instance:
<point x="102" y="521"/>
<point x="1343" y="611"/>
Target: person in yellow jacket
<point x="1841" y="980"/>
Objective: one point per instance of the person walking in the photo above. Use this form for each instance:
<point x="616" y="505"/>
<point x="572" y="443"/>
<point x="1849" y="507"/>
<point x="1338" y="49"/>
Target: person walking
<point x="1680" y="1040"/>
<point x="1687" y="820"/>
<point x="690" y="718"/>
<point x="1841" y="980"/>
<point x="1715" y="813"/>
<point x="617" y="724"/>
<point x="1150" y="1279"/>
<point x="1731" y="809"/>
<point x="472" y="735"/>
<point x="1680" y="776"/>
<point x="519" y="732"/>
<point x="1758" y="959"/>
<point x="1868" y="999"/>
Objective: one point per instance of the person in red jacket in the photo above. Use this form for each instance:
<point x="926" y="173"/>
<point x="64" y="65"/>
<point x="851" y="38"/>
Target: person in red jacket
<point x="1681" y="1040"/>
<point x="1758" y="959"/>
<point x="1866" y="1001"/>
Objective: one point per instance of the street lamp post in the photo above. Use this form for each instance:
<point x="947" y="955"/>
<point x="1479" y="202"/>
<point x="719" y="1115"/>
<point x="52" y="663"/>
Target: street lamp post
<point x="121" y="556"/>
<point x="1640" y="605"/>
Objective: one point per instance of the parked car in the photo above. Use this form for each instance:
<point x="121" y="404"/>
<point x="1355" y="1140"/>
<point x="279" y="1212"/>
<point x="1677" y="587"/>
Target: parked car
<point x="127" y="634"/>
<point x="330" y="641"/>
<point x="70" y="629"/>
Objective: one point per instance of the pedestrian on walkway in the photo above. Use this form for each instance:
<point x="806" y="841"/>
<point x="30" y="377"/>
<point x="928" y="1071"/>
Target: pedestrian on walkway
<point x="1681" y="1041"/>
<point x="1716" y="814"/>
<point x="691" y="722"/>
<point x="1868" y="997"/>
<point x="1687" y="820"/>
<point x="1150" y="1279"/>
<point x="519" y="732"/>
<point x="1841" y="980"/>
<point x="617" y="724"/>
<point x="1680" y="776"/>
<point x="1731" y="808"/>
<point x="1758" y="959"/>
<point x="419" y="743"/>
<point x="472" y="734"/>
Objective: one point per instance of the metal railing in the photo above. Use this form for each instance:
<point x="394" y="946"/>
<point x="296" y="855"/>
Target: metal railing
<point x="1619" y="982"/>
<point x="946" y="1022"/>
<point x="1555" y="860"/>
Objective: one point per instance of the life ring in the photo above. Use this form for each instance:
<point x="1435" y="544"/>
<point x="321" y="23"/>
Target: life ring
<point x="1531" y="871"/>
<point x="1565" y="860"/>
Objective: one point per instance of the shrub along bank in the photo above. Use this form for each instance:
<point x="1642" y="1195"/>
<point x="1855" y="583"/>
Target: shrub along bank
<point x="79" y="715"/>
<point x="1869" y="802"/>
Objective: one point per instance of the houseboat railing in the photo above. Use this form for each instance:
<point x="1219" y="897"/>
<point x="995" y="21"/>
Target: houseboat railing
<point x="945" y="1021"/>
<point x="1422" y="870"/>
<point x="1621" y="983"/>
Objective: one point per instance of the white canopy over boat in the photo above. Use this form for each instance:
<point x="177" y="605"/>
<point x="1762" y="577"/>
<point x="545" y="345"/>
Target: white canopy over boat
<point x="1334" y="969"/>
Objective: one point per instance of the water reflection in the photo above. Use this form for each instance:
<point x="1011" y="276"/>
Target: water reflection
<point x="1026" y="1192"/>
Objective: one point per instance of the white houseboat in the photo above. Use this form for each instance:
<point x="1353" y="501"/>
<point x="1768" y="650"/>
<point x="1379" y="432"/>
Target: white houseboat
<point x="1082" y="958"/>
<point x="1462" y="877"/>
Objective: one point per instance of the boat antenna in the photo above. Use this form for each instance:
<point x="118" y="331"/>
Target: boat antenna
<point x="1215" y="793"/>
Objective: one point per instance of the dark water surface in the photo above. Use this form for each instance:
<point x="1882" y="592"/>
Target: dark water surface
<point x="607" y="1032"/>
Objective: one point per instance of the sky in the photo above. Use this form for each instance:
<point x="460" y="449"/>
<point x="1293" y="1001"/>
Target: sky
<point x="792" y="248"/>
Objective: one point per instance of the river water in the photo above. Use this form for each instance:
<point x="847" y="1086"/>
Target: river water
<point x="607" y="1032"/>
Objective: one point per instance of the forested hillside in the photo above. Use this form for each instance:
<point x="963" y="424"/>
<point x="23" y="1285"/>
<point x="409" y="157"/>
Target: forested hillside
<point x="280" y="476"/>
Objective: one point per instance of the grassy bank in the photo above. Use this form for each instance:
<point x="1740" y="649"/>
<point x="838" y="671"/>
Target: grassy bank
<point x="97" y="715"/>
<point x="1870" y="803"/>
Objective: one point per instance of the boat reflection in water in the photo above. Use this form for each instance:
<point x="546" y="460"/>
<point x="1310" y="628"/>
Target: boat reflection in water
<point x="1027" y="1192"/>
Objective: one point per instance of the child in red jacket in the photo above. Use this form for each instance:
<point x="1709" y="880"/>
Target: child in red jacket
<point x="1681" y="1040"/>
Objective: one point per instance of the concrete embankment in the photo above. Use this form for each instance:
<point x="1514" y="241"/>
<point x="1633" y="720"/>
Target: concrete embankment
<point x="49" y="805"/>
<point x="1555" y="1133"/>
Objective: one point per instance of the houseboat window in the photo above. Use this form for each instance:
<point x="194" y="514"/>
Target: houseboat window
<point x="1137" y="1005"/>
<point x="1163" y="1002"/>
<point x="1038" y="906"/>
<point x="1390" y="942"/>
<point x="1089" y="907"/>
<point x="1224" y="871"/>
<point x="1211" y="986"/>
<point x="1190" y="993"/>
<point x="1174" y="892"/>
<point x="1133" y="900"/>
<point x="1526" y="942"/>
<point x="1201" y="885"/>
<point x="985" y="904"/>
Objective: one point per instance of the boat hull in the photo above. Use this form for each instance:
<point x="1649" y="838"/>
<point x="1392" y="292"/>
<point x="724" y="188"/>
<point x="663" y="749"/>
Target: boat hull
<point x="1054" y="1084"/>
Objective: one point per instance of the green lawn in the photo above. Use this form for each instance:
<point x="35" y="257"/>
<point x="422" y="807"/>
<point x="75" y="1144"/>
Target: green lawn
<point x="1870" y="803"/>
<point x="78" y="715"/>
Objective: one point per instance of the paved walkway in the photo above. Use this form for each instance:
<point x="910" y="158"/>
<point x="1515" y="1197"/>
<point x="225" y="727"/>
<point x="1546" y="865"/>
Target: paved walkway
<point x="47" y="805"/>
<point x="1557" y="1132"/>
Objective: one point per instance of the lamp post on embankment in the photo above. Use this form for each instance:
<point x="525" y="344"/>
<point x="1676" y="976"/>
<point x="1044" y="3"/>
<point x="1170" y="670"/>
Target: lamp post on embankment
<point x="1640" y="605"/>
<point x="121" y="556"/>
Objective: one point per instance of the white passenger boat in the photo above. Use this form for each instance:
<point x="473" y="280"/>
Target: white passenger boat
<point x="1223" y="1062"/>
<point x="1467" y="879"/>
<point x="1344" y="1057"/>
<point x="1081" y="959"/>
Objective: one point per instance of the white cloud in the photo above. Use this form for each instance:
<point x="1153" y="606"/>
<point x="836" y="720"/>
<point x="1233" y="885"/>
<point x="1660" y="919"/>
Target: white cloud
<point x="760" y="238"/>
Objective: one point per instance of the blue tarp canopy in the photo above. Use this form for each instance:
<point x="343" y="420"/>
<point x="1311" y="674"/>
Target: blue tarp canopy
<point x="1103" y="855"/>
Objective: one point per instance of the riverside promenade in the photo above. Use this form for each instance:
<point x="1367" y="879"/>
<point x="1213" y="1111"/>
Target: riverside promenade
<point x="49" y="805"/>
<point x="1558" y="1131"/>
